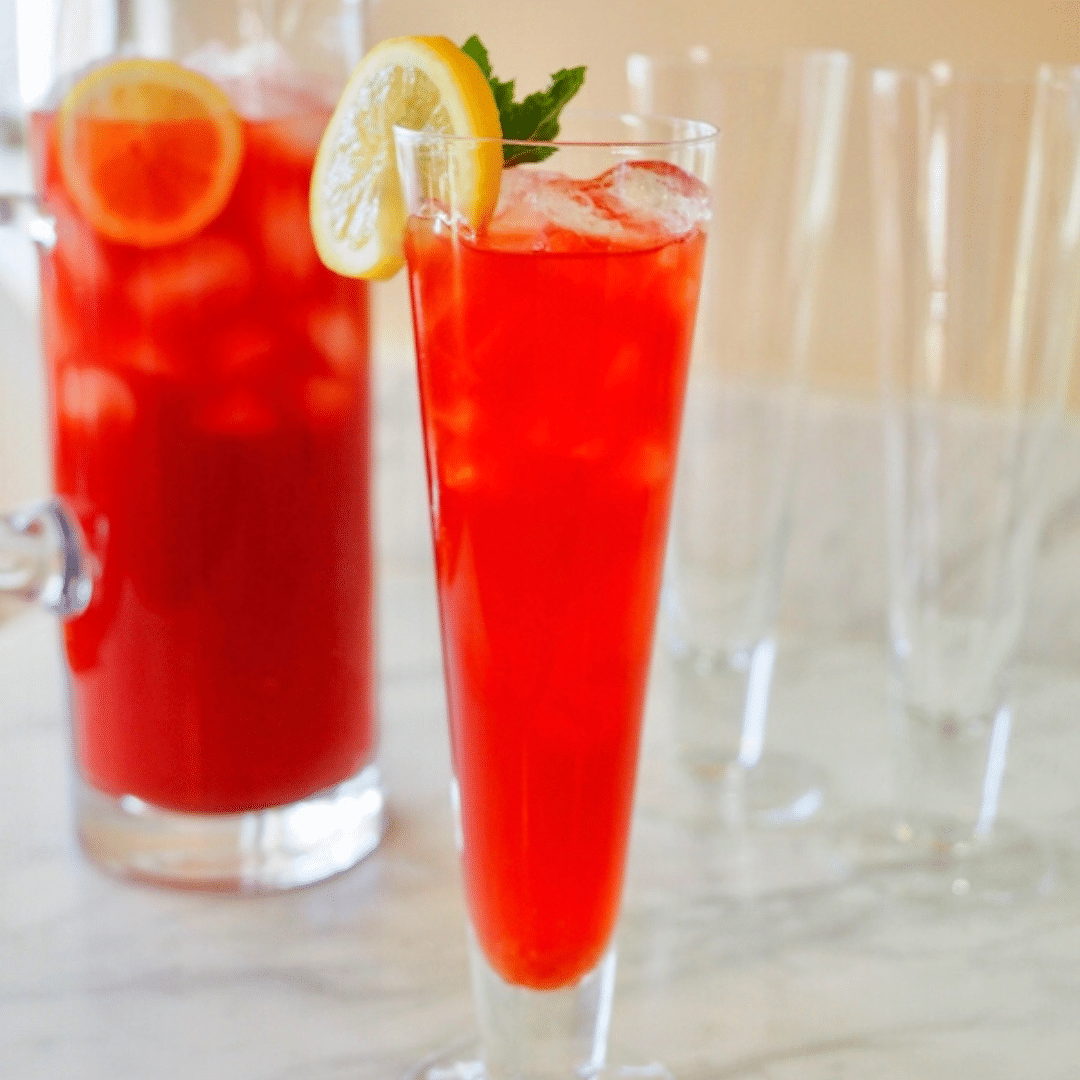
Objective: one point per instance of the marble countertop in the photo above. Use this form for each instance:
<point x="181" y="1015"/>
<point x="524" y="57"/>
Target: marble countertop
<point x="754" y="957"/>
<point x="824" y="978"/>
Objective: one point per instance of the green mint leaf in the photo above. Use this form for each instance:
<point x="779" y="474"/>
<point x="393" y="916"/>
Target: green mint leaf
<point x="536" y="118"/>
<point x="503" y="91"/>
<point x="474" y="49"/>
<point x="504" y="95"/>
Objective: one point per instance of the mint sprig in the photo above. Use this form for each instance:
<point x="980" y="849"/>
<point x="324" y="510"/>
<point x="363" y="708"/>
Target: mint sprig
<point x="536" y="118"/>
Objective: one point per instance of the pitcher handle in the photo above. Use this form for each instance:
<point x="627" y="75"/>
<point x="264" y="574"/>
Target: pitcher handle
<point x="42" y="551"/>
<point x="42" y="558"/>
<point x="24" y="211"/>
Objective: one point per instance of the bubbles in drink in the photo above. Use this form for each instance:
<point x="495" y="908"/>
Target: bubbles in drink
<point x="208" y="271"/>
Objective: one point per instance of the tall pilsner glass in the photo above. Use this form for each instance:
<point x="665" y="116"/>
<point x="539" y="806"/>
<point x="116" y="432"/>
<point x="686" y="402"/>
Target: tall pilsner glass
<point x="977" y="200"/>
<point x="552" y="347"/>
<point x="209" y="407"/>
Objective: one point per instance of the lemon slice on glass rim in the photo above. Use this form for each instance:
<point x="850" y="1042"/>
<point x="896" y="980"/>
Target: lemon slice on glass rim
<point x="358" y="212"/>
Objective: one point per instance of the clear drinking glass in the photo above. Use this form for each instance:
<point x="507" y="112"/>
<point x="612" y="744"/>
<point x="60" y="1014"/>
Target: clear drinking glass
<point x="977" y="203"/>
<point x="209" y="407"/>
<point x="781" y="131"/>
<point x="552" y="348"/>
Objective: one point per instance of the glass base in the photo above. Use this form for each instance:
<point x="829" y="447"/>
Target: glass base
<point x="463" y="1062"/>
<point x="542" y="1034"/>
<point x="262" y="851"/>
<point x="780" y="790"/>
<point x="709" y="865"/>
<point x="925" y="860"/>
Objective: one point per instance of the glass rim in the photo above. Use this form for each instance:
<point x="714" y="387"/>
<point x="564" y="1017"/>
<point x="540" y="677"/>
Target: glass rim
<point x="696" y="133"/>
<point x="702" y="58"/>
<point x="950" y="73"/>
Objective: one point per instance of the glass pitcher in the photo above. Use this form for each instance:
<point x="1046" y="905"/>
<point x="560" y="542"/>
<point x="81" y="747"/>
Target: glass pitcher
<point x="209" y="404"/>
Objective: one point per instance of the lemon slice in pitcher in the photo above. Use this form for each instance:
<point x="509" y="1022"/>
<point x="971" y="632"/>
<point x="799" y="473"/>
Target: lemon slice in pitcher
<point x="358" y="212"/>
<point x="149" y="151"/>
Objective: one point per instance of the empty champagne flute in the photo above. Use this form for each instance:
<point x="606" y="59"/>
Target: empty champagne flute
<point x="781" y="132"/>
<point x="977" y="211"/>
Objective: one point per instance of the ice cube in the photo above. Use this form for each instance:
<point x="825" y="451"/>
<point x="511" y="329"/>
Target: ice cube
<point x="589" y="450"/>
<point x="60" y="324"/>
<point x="518" y="224"/>
<point x="458" y="473"/>
<point x="285" y="231"/>
<point x="457" y="418"/>
<point x="339" y="337"/>
<point x="291" y="140"/>
<point x="142" y="356"/>
<point x="648" y="464"/>
<point x="78" y="252"/>
<point x="539" y="210"/>
<point x="651" y="195"/>
<point x="94" y="399"/>
<point x="261" y="78"/>
<point x="327" y="400"/>
<point x="238" y="411"/>
<point x="205" y="272"/>
<point x="626" y="363"/>
<point x="243" y="347"/>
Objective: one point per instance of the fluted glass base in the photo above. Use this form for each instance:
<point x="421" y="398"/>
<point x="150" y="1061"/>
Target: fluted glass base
<point x="940" y="860"/>
<point x="537" y="1035"/>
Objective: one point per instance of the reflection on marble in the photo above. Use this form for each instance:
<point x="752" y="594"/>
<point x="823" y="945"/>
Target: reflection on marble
<point x="738" y="960"/>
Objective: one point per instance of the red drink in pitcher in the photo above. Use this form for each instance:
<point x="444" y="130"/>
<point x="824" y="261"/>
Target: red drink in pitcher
<point x="552" y="367"/>
<point x="211" y="430"/>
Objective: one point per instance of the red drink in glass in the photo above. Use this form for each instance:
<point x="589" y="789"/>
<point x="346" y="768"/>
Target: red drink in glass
<point x="211" y="430"/>
<point x="552" y="366"/>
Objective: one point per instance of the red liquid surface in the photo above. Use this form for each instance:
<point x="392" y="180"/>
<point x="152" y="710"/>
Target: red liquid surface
<point x="552" y="385"/>
<point x="211" y="430"/>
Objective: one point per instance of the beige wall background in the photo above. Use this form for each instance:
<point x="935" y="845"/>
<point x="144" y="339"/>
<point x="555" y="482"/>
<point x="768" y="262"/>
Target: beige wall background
<point x="527" y="41"/>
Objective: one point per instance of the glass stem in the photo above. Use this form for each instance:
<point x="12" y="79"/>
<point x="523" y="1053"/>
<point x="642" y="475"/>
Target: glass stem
<point x="542" y="1035"/>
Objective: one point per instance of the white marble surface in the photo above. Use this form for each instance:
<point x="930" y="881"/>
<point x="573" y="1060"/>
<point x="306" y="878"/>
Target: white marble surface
<point x="737" y="958"/>
<point x="363" y="975"/>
